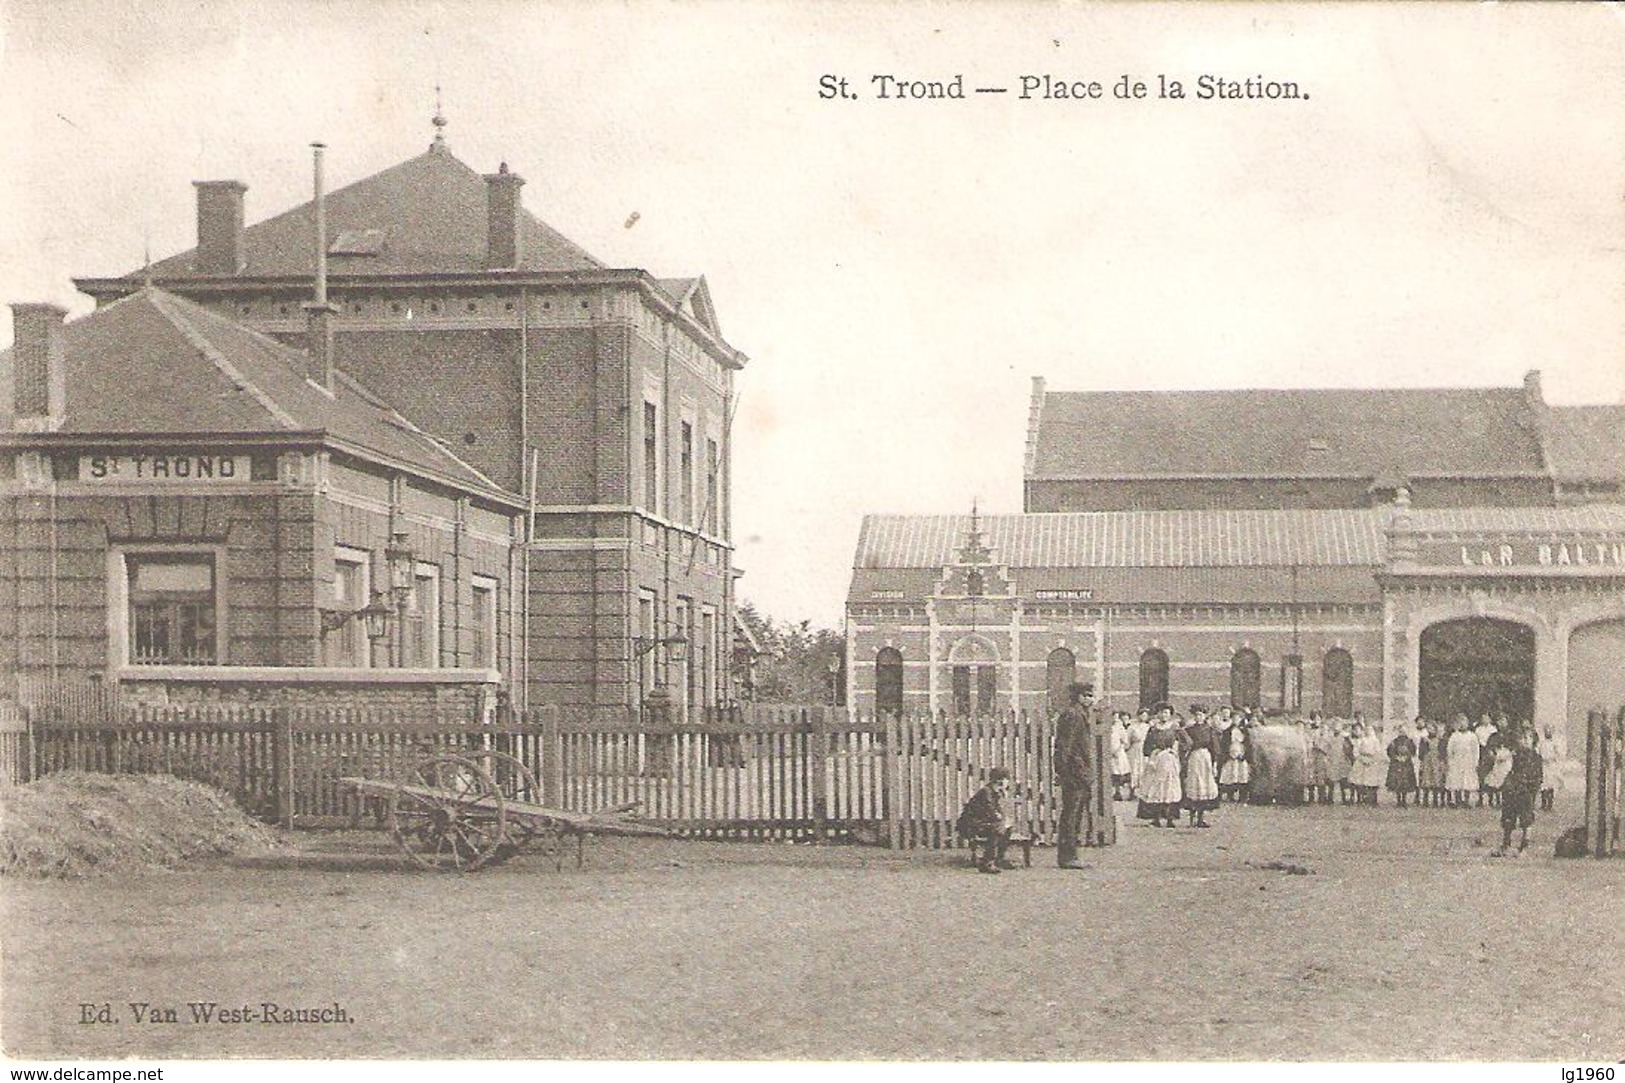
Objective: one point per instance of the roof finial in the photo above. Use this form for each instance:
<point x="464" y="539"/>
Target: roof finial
<point x="146" y="262"/>
<point x="439" y="121"/>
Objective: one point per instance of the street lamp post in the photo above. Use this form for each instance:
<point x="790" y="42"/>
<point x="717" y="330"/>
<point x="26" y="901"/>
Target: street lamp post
<point x="401" y="562"/>
<point x="834" y="677"/>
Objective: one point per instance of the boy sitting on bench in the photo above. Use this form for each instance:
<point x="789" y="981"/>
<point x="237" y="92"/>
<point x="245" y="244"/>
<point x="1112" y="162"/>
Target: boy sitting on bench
<point x="983" y="820"/>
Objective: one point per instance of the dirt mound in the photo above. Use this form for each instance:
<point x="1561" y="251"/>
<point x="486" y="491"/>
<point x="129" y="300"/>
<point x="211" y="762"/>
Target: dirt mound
<point x="78" y="825"/>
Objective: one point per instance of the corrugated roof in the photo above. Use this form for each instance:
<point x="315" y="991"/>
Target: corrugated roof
<point x="1285" y="433"/>
<point x="429" y="211"/>
<point x="154" y="363"/>
<point x="1340" y="537"/>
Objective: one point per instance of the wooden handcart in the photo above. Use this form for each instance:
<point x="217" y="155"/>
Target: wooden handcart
<point x="460" y="812"/>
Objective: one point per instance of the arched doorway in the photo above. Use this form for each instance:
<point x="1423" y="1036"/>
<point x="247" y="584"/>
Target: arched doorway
<point x="1153" y="679"/>
<point x="1477" y="666"/>
<point x="1245" y="678"/>
<point x="1596" y="678"/>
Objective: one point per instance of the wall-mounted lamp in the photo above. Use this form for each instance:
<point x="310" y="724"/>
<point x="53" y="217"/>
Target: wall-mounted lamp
<point x="402" y="564"/>
<point x="676" y="646"/>
<point x="375" y="616"/>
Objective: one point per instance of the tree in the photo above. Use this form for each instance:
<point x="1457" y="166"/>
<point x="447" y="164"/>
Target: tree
<point x="794" y="667"/>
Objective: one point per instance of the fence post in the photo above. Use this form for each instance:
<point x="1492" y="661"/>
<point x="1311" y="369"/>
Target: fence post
<point x="552" y="758"/>
<point x="282" y="763"/>
<point x="817" y="753"/>
<point x="32" y="763"/>
<point x="889" y="753"/>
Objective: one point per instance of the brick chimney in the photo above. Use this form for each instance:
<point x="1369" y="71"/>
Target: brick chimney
<point x="219" y="227"/>
<point x="39" y="388"/>
<point x="504" y="243"/>
<point x="1531" y="388"/>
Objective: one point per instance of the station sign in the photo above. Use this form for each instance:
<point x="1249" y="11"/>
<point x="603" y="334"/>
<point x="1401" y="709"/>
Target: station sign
<point x="185" y="467"/>
<point x="1533" y="554"/>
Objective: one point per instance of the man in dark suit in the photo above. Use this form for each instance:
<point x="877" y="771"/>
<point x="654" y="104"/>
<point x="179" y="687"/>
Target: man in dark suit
<point x="983" y="818"/>
<point x="1073" y="769"/>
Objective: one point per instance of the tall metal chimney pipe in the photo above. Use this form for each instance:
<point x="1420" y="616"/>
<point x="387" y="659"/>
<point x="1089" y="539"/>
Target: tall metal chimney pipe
<point x="321" y="224"/>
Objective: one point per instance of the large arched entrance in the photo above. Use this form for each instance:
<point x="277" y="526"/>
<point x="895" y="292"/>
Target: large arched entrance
<point x="1596" y="677"/>
<point x="1475" y="667"/>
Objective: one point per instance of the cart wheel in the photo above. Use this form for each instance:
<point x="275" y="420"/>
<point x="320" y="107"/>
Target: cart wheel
<point x="517" y="783"/>
<point x="449" y="815"/>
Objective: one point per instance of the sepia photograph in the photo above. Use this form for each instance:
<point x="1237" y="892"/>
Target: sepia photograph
<point x="588" y="531"/>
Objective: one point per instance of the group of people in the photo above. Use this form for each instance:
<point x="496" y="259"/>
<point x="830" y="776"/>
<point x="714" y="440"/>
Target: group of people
<point x="1172" y="764"/>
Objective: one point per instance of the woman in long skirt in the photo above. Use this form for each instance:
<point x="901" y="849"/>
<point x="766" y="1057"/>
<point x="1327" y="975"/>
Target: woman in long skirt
<point x="1160" y="792"/>
<point x="1401" y="767"/>
<point x="1236" y="775"/>
<point x="1370" y="765"/>
<point x="1137" y="730"/>
<point x="1430" y="774"/>
<point x="1201" y="782"/>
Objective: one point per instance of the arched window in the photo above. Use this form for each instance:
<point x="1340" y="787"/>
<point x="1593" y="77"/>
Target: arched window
<point x="1244" y="678"/>
<point x="1063" y="670"/>
<point x="1337" y="684"/>
<point x="975" y="663"/>
<point x="889" y="680"/>
<point x="1153" y="678"/>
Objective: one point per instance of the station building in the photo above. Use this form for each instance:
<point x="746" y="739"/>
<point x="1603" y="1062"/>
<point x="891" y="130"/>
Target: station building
<point x="587" y="404"/>
<point x="1391" y="553"/>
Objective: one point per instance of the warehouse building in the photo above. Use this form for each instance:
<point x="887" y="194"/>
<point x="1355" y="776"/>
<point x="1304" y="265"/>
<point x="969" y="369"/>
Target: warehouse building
<point x="1385" y="552"/>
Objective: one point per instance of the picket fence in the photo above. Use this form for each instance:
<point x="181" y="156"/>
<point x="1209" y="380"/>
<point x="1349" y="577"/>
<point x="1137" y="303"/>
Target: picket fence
<point x="794" y="773"/>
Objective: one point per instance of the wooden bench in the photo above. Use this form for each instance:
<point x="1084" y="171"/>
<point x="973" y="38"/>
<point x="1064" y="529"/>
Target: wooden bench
<point x="978" y="843"/>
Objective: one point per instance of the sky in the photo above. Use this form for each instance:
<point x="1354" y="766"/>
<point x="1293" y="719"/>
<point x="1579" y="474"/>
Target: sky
<point x="1443" y="205"/>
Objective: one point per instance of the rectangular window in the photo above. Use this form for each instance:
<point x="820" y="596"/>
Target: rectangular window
<point x="712" y="515"/>
<point x="423" y="619"/>
<point x="651" y="458"/>
<point x="172" y="609"/>
<point x="482" y="618"/>
<point x="686" y="474"/>
<point x="348" y="645"/>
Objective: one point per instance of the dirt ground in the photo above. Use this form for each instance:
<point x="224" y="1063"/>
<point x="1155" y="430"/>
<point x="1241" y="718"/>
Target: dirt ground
<point x="1404" y="940"/>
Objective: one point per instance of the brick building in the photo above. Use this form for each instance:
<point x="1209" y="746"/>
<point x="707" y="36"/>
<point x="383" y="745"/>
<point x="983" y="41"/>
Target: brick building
<point x="188" y="504"/>
<point x="1387" y="552"/>
<point x="602" y="395"/>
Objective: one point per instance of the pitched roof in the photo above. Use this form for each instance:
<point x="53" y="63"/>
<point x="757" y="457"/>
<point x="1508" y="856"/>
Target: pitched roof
<point x="1585" y="442"/>
<point x="1133" y="539"/>
<point x="426" y="215"/>
<point x="153" y="363"/>
<point x="1285" y="433"/>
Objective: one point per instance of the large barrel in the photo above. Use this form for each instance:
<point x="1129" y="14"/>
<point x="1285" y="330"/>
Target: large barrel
<point x="1279" y="758"/>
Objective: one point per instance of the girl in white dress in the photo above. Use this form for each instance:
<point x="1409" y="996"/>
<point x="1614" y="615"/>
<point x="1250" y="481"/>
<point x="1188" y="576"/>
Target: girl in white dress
<point x="1461" y="763"/>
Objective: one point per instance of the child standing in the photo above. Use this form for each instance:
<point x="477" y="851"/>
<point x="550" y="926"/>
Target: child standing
<point x="1518" y="792"/>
